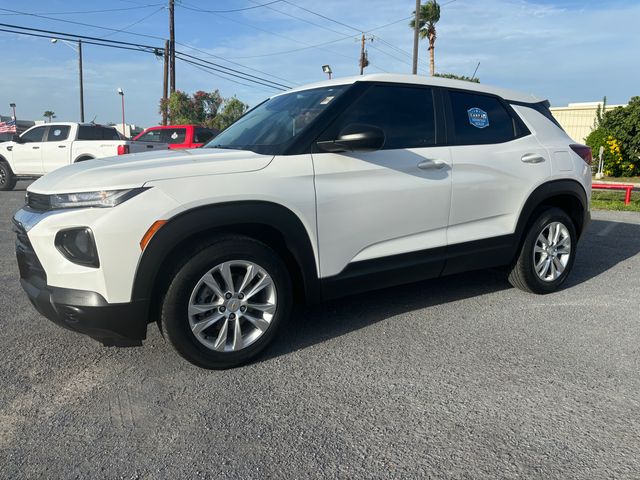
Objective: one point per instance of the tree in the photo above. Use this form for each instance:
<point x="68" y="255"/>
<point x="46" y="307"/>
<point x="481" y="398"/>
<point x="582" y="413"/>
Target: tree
<point x="429" y="16"/>
<point x="200" y="108"/>
<point x="458" y="77"/>
<point x="618" y="131"/>
<point x="232" y="110"/>
<point x="49" y="114"/>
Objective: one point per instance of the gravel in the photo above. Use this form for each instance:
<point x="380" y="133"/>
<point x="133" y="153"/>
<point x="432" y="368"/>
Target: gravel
<point x="460" y="377"/>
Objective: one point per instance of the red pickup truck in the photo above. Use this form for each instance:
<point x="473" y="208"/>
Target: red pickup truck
<point x="178" y="136"/>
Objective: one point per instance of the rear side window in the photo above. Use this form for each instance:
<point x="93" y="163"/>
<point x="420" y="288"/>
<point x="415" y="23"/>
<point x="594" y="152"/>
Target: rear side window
<point x="90" y="132"/>
<point x="543" y="108"/>
<point x="58" y="133"/>
<point x="203" y="135"/>
<point x="480" y="119"/>
<point x="405" y="114"/>
<point x="173" y="135"/>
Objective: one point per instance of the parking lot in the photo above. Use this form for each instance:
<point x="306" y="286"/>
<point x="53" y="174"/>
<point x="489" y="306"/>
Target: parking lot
<point x="461" y="377"/>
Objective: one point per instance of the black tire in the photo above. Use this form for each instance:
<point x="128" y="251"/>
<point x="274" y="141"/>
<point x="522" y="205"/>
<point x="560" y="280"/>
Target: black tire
<point x="7" y="178"/>
<point x="174" y="318"/>
<point x="523" y="274"/>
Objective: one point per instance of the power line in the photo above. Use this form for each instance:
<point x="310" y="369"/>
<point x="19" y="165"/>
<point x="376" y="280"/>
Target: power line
<point x="322" y="16"/>
<point x="83" y="12"/>
<point x="140" y="47"/>
<point x="183" y="5"/>
<point x="135" y="23"/>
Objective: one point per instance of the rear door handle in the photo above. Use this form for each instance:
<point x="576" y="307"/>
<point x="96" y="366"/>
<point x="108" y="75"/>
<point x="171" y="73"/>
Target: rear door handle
<point x="62" y="146"/>
<point x="35" y="148"/>
<point x="532" y="158"/>
<point x="429" y="164"/>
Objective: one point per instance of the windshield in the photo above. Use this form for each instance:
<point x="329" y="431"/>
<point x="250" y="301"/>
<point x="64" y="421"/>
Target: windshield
<point x="273" y="125"/>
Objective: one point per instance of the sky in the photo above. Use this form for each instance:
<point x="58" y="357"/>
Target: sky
<point x="563" y="50"/>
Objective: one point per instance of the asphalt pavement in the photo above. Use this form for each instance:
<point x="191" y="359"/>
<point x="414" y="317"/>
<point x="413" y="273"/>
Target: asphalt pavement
<point x="460" y="377"/>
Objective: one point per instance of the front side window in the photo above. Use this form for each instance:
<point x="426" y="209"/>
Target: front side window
<point x="406" y="115"/>
<point x="58" y="133"/>
<point x="33" y="135"/>
<point x="151" y="136"/>
<point x="480" y="119"/>
<point x="275" y="124"/>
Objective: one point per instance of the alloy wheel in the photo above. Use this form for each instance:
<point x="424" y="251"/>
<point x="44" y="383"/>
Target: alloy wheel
<point x="552" y="251"/>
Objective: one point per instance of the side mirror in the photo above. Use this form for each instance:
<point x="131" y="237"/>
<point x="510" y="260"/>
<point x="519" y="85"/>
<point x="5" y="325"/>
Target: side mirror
<point x="355" y="138"/>
<point x="16" y="138"/>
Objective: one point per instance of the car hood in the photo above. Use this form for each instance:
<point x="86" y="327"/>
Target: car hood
<point x="134" y="170"/>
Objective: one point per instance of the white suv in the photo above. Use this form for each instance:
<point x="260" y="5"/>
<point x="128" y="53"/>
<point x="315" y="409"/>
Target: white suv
<point x="326" y="190"/>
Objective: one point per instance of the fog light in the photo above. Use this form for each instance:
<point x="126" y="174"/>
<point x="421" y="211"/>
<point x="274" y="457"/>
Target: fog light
<point x="78" y="246"/>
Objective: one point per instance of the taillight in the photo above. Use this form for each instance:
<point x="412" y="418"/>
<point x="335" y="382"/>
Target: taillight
<point x="583" y="151"/>
<point x="123" y="149"/>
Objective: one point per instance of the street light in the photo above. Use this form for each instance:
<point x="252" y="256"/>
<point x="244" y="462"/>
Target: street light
<point x="13" y="106"/>
<point x="327" y="69"/>
<point x="79" y="50"/>
<point x="121" y="93"/>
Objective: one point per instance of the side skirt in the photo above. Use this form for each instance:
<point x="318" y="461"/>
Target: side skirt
<point x="412" y="267"/>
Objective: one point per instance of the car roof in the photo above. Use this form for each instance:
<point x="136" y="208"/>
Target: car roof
<point x="422" y="80"/>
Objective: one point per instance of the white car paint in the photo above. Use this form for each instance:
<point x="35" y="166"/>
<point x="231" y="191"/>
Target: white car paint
<point x="354" y="206"/>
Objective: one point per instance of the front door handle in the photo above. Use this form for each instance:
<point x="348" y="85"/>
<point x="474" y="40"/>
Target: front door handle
<point x="35" y="148"/>
<point x="62" y="146"/>
<point x="532" y="158"/>
<point x="429" y="164"/>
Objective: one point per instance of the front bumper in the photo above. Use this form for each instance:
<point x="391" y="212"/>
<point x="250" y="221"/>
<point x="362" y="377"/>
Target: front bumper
<point x="113" y="324"/>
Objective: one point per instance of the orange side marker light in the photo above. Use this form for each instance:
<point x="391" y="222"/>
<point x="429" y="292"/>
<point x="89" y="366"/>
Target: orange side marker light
<point x="157" y="225"/>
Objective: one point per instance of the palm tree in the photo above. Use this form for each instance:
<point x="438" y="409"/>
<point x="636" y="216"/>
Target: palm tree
<point x="429" y="16"/>
<point x="49" y="114"/>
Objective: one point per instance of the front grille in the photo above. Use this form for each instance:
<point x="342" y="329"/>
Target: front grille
<point x="28" y="263"/>
<point x="37" y="201"/>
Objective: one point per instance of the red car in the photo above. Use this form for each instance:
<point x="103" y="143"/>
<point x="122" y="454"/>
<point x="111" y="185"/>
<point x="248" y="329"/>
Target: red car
<point x="178" y="136"/>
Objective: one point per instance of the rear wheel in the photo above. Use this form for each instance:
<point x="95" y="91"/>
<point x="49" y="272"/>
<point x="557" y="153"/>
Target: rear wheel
<point x="7" y="178"/>
<point x="547" y="254"/>
<point x="226" y="303"/>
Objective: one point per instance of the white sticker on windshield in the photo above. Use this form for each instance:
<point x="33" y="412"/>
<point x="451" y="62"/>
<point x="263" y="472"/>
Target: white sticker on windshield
<point x="174" y="135"/>
<point x="327" y="100"/>
<point x="56" y="133"/>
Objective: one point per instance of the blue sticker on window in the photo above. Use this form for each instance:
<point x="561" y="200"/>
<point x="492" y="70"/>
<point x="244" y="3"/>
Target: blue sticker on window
<point x="478" y="117"/>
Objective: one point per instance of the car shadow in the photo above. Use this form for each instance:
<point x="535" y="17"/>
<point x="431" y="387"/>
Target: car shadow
<point x="604" y="245"/>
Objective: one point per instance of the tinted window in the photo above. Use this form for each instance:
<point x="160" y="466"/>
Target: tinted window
<point x="405" y="114"/>
<point x="58" y="133"/>
<point x="480" y="119"/>
<point x="203" y="135"/>
<point x="91" y="132"/>
<point x="151" y="136"/>
<point x="34" y="135"/>
<point x="173" y="135"/>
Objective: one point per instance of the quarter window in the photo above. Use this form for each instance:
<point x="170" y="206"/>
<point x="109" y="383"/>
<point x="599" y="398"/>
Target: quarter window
<point x="480" y="119"/>
<point x="96" y="132"/>
<point x="405" y="114"/>
<point x="203" y="135"/>
<point x="58" y="133"/>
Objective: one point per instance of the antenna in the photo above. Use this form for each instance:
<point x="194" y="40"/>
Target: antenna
<point x="475" y="71"/>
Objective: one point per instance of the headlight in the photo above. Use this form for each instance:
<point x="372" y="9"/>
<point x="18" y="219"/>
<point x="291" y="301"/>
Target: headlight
<point x="100" y="199"/>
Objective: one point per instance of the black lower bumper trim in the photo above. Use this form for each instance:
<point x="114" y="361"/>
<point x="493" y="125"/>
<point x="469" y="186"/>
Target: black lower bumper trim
<point x="112" y="324"/>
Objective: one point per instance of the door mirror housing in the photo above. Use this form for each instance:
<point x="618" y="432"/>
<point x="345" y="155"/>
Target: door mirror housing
<point x="16" y="138"/>
<point x="355" y="138"/>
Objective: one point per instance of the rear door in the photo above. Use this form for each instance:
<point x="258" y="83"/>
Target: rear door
<point x="497" y="163"/>
<point x="56" y="150"/>
<point x="374" y="206"/>
<point x="27" y="156"/>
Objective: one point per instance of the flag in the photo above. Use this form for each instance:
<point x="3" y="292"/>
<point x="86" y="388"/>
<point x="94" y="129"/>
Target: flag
<point x="8" y="127"/>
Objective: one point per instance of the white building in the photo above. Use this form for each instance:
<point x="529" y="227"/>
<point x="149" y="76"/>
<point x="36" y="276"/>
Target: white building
<point x="578" y="119"/>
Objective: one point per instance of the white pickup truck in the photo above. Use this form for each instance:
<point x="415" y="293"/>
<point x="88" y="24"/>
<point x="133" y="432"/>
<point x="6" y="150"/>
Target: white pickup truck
<point x="44" y="148"/>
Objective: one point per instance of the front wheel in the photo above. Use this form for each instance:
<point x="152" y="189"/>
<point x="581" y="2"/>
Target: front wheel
<point x="547" y="254"/>
<point x="7" y="178"/>
<point x="226" y="302"/>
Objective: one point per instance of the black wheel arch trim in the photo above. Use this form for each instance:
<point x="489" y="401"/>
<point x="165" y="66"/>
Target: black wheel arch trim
<point x="228" y="218"/>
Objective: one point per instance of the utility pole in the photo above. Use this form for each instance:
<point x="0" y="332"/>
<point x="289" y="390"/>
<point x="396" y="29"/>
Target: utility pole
<point x="364" y="60"/>
<point x="416" y="31"/>
<point x="165" y="83"/>
<point x="172" y="46"/>
<point x="81" y="86"/>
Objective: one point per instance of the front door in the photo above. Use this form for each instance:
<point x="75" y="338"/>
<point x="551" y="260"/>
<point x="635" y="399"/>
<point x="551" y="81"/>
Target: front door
<point x="372" y="207"/>
<point x="27" y="156"/>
